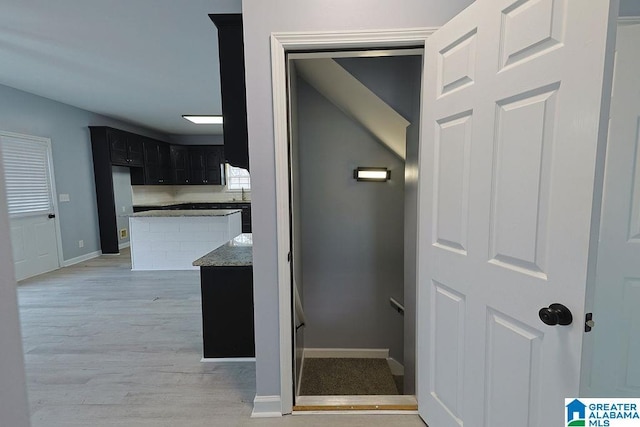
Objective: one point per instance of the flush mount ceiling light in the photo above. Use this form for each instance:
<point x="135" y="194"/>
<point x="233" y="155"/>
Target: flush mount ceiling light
<point x="372" y="174"/>
<point x="203" y="120"/>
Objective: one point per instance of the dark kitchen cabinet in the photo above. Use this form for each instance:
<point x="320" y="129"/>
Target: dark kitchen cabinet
<point x="246" y="218"/>
<point x="157" y="162"/>
<point x="125" y="148"/>
<point x="227" y="311"/>
<point x="232" y="87"/>
<point x="112" y="147"/>
<point x="205" y="163"/>
<point x="197" y="161"/>
<point x="150" y="162"/>
<point x="180" y="167"/>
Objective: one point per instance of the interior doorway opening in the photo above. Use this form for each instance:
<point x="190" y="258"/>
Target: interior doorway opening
<point x="353" y="243"/>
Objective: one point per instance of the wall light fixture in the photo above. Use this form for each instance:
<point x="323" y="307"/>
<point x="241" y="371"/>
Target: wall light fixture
<point x="372" y="174"/>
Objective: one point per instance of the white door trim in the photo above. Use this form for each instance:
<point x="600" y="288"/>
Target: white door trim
<point x="52" y="179"/>
<point x="280" y="44"/>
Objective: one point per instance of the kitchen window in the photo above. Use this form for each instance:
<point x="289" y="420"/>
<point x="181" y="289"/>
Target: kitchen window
<point x="238" y="179"/>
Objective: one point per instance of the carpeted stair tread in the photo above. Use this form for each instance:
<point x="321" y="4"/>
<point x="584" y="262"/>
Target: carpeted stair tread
<point x="346" y="376"/>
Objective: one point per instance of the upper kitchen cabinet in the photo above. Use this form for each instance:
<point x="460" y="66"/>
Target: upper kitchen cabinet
<point x="157" y="162"/>
<point x="180" y="167"/>
<point x="112" y="147"/>
<point x="232" y="82"/>
<point x="205" y="164"/>
<point x="126" y="148"/>
<point x="214" y="172"/>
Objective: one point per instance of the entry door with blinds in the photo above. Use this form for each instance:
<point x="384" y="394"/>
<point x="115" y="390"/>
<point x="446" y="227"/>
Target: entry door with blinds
<point x="28" y="177"/>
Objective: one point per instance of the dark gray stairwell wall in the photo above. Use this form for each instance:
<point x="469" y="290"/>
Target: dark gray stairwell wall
<point x="351" y="232"/>
<point x="397" y="81"/>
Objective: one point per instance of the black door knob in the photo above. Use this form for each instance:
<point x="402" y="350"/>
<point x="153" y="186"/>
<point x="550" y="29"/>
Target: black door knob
<point x="51" y="216"/>
<point x="555" y="314"/>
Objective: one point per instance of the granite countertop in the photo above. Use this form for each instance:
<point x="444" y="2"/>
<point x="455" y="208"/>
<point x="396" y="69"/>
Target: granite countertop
<point x="235" y="253"/>
<point x="186" y="212"/>
<point x="163" y="204"/>
<point x="157" y="204"/>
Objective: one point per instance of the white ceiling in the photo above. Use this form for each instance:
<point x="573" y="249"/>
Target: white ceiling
<point x="142" y="61"/>
<point x="146" y="62"/>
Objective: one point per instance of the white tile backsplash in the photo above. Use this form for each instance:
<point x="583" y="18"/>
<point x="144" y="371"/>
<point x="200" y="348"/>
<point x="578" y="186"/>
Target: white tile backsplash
<point x="150" y="194"/>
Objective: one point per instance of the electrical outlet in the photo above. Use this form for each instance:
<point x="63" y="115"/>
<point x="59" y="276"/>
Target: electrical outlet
<point x="64" y="198"/>
<point x="81" y="243"/>
<point x="123" y="233"/>
<point x="124" y="209"/>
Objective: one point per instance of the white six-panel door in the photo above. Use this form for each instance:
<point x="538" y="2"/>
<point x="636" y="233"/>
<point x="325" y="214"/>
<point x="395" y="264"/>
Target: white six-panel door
<point x="28" y="179"/>
<point x="615" y="369"/>
<point x="512" y="101"/>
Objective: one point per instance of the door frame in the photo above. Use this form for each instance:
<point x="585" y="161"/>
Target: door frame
<point x="52" y="180"/>
<point x="281" y="43"/>
<point x="597" y="283"/>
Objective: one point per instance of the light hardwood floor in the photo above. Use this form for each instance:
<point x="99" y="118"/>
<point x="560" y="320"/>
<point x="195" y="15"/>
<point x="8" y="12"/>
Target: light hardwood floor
<point x="105" y="346"/>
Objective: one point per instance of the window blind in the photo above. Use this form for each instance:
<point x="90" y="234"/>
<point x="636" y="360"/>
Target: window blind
<point x="26" y="176"/>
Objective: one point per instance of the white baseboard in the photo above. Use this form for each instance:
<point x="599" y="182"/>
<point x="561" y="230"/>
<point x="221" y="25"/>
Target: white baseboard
<point x="123" y="245"/>
<point x="266" y="407"/>
<point x="81" y="258"/>
<point x="227" y="359"/>
<point x="395" y="366"/>
<point x="360" y="353"/>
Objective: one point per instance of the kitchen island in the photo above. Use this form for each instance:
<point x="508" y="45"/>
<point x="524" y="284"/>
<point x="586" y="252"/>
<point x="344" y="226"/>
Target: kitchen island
<point x="226" y="283"/>
<point x="171" y="239"/>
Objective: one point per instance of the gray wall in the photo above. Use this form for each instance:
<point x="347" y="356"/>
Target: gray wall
<point x="67" y="126"/>
<point x="351" y="232"/>
<point x="123" y="199"/>
<point x="395" y="79"/>
<point x="14" y="410"/>
<point x="260" y="20"/>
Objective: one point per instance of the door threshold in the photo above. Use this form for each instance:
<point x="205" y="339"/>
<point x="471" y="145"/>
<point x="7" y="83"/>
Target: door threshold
<point x="373" y="403"/>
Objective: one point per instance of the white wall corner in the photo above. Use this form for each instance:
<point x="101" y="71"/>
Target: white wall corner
<point x="267" y="407"/>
